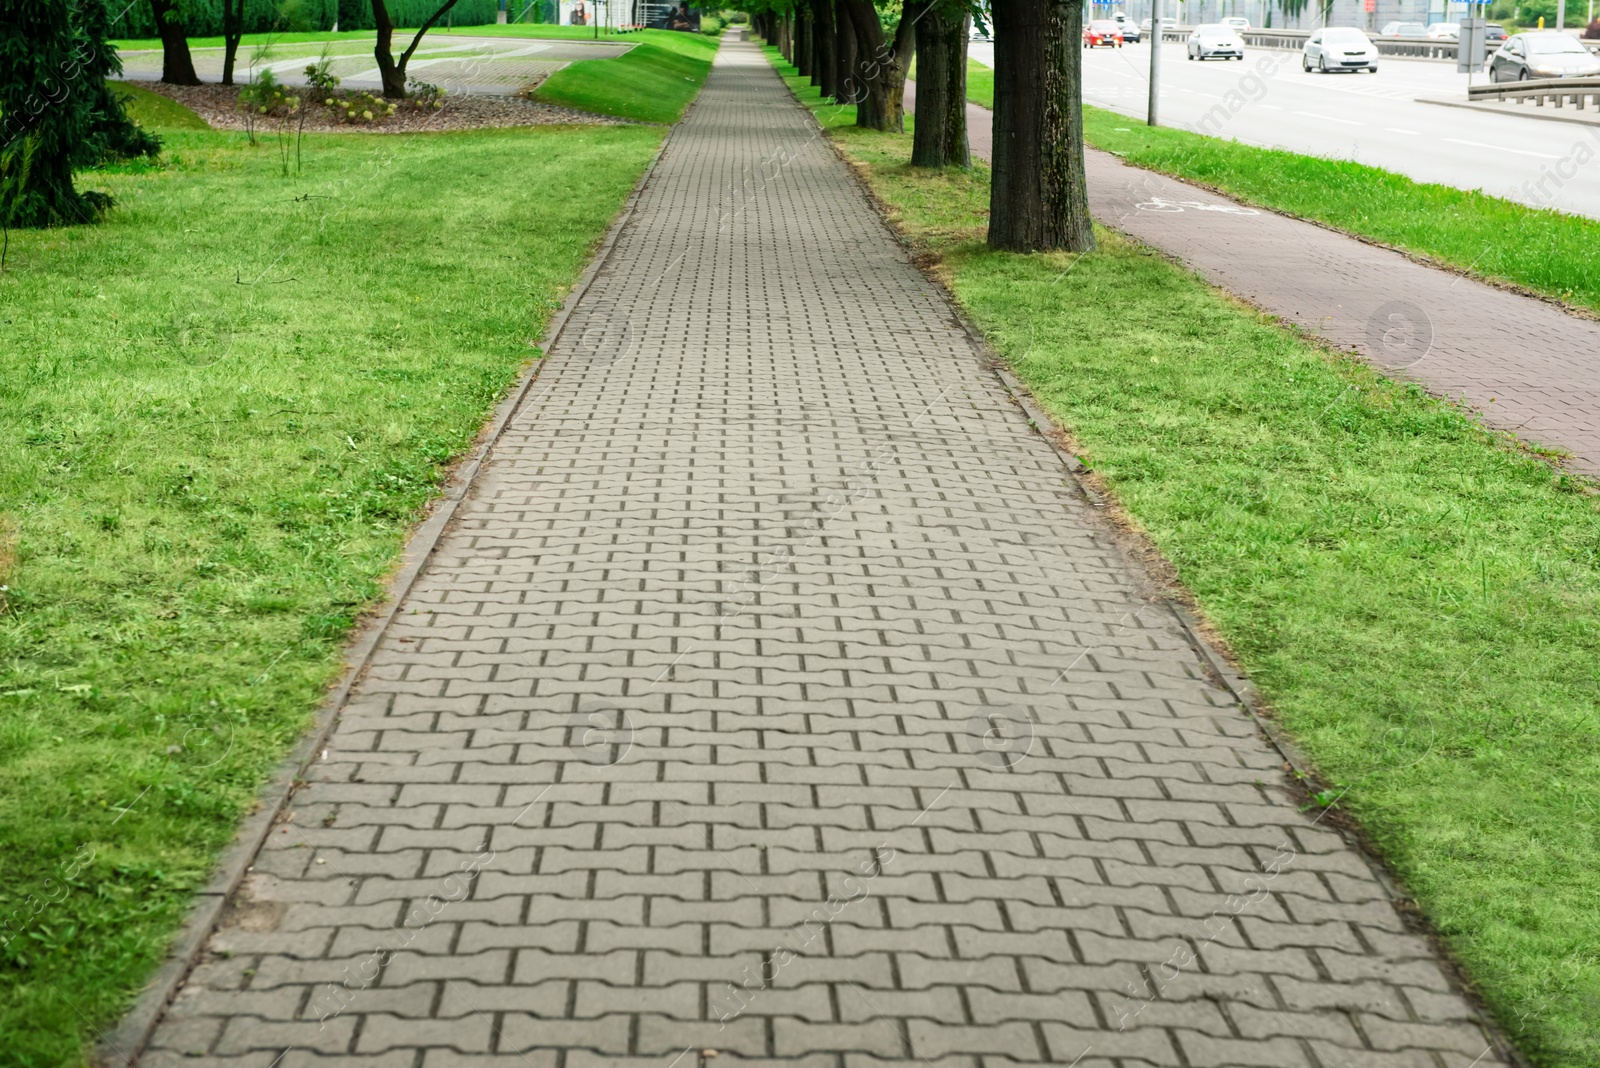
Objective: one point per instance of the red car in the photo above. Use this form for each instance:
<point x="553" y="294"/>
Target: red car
<point x="1102" y="32"/>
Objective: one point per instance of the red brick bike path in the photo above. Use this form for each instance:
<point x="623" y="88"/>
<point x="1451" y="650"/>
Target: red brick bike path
<point x="1529" y="367"/>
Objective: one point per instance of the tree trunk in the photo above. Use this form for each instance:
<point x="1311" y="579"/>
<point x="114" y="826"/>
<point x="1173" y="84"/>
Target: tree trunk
<point x="177" y="66"/>
<point x="1038" y="198"/>
<point x="905" y="42"/>
<point x="825" y="72"/>
<point x="802" y="42"/>
<point x="847" y="89"/>
<point x="880" y="79"/>
<point x="392" y="71"/>
<point x="393" y="77"/>
<point x="232" y="33"/>
<point x="940" y="136"/>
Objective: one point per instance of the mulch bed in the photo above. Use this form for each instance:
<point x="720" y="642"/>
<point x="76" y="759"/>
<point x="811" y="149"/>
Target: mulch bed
<point x="218" y="105"/>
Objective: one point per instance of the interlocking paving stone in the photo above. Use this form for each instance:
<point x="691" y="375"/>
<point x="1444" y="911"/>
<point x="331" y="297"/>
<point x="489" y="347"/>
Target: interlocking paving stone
<point x="775" y="694"/>
<point x="1525" y="365"/>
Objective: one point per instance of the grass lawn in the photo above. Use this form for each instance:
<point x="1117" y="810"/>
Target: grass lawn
<point x="654" y="82"/>
<point x="980" y="84"/>
<point x="156" y="112"/>
<point x="220" y="412"/>
<point x="1420" y="606"/>
<point x="1548" y="252"/>
<point x="250" y="40"/>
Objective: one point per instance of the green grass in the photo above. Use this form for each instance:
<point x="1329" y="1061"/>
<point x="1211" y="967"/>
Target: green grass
<point x="156" y="112"/>
<point x="980" y="84"/>
<point x="220" y="412"/>
<point x="250" y="40"/>
<point x="654" y="82"/>
<point x="1419" y="604"/>
<point x="1548" y="252"/>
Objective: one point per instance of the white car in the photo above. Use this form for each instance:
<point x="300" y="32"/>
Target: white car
<point x="1130" y="29"/>
<point x="1215" y="40"/>
<point x="1166" y="24"/>
<point x="1339" y="48"/>
<point x="1237" y="24"/>
<point x="1450" y="31"/>
<point x="1403" y="29"/>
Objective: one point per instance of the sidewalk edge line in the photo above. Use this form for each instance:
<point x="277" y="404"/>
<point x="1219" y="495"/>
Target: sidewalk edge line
<point x="1215" y="660"/>
<point x="127" y="1041"/>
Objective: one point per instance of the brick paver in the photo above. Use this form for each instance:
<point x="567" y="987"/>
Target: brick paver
<point x="775" y="697"/>
<point x="1526" y="365"/>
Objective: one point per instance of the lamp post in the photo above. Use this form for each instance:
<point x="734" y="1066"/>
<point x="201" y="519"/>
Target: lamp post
<point x="1155" y="60"/>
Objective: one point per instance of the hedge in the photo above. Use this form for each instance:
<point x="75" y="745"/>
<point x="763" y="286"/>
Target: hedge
<point x="357" y="14"/>
<point x="203" y="18"/>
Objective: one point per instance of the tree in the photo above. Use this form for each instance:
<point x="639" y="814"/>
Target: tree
<point x="1038" y="197"/>
<point x="55" y="111"/>
<point x="232" y="34"/>
<point x="879" y="72"/>
<point x="847" y="89"/>
<point x="394" y="73"/>
<point x="804" y="61"/>
<point x="825" y="74"/>
<point x="110" y="134"/>
<point x="177" y="66"/>
<point x="940" y="137"/>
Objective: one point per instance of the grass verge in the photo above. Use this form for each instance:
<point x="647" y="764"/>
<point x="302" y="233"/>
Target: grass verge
<point x="250" y="40"/>
<point x="1546" y="252"/>
<point x="220" y="412"/>
<point x="156" y="112"/>
<point x="1420" y="606"/>
<point x="980" y="84"/>
<point x="654" y="82"/>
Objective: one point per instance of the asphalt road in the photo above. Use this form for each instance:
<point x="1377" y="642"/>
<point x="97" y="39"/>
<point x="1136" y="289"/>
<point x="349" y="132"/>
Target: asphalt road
<point x="1373" y="119"/>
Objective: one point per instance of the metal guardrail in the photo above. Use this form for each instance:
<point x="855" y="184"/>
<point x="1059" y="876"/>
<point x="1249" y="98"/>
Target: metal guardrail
<point x="1294" y="41"/>
<point x="1557" y="90"/>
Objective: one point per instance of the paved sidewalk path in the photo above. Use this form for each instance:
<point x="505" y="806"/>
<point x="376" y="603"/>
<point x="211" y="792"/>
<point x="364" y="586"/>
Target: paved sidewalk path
<point x="775" y="697"/>
<point x="1528" y="366"/>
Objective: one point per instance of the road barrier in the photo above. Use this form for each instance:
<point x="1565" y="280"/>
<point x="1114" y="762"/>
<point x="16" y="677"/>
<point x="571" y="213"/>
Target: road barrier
<point x="1559" y="90"/>
<point x="1294" y="41"/>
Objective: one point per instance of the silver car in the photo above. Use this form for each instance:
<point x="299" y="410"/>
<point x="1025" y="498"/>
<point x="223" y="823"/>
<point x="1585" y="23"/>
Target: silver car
<point x="1339" y="48"/>
<point x="1543" y="54"/>
<point x="1213" y="41"/>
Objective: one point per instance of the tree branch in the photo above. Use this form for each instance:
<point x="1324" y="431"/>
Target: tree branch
<point x="426" y="26"/>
